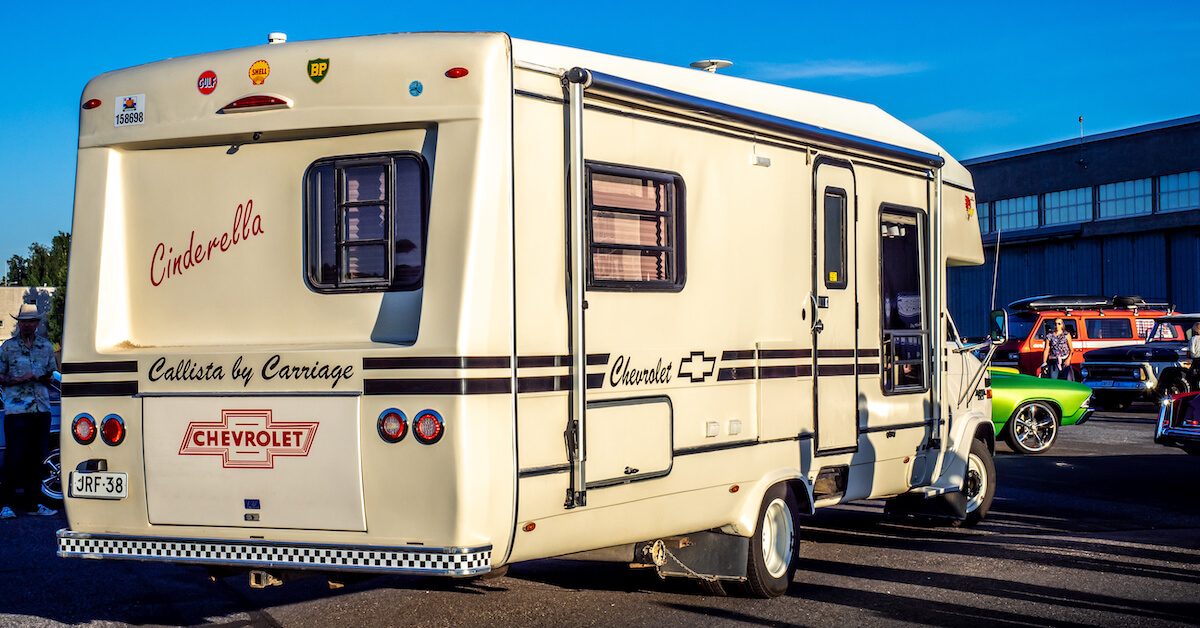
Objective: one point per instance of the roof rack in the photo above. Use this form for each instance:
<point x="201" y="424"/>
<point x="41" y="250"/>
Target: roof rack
<point x="1085" y="302"/>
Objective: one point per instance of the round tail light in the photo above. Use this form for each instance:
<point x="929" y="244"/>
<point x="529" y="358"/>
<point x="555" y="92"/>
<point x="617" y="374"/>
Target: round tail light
<point x="393" y="426"/>
<point x="428" y="427"/>
<point x="112" y="429"/>
<point x="84" y="429"/>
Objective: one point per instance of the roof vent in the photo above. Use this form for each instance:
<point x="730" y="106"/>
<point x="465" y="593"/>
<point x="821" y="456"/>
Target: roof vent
<point x="276" y="38"/>
<point x="711" y="65"/>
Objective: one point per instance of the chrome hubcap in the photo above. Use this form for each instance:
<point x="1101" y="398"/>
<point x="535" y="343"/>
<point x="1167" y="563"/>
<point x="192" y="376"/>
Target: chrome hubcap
<point x="1035" y="426"/>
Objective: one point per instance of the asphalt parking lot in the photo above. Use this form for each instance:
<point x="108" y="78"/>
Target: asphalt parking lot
<point x="1103" y="530"/>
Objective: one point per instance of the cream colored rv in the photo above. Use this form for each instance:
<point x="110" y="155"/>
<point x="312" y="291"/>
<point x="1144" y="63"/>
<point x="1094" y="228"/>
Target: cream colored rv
<point x="439" y="303"/>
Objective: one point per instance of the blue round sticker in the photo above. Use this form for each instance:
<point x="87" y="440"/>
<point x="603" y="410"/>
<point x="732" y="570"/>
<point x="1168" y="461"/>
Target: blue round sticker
<point x="415" y="88"/>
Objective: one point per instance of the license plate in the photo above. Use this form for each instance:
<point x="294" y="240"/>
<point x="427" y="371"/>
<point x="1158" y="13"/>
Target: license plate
<point x="99" y="485"/>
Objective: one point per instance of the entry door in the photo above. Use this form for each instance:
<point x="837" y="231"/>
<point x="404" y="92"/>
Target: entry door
<point x="834" y="307"/>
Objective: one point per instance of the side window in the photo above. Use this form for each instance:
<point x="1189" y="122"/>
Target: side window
<point x="835" y="238"/>
<point x="902" y="283"/>
<point x="1047" y="327"/>
<point x="1144" y="325"/>
<point x="365" y="222"/>
<point x="1105" y="328"/>
<point x="635" y="229"/>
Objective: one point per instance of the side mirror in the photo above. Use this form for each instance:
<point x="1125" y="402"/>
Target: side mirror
<point x="998" y="320"/>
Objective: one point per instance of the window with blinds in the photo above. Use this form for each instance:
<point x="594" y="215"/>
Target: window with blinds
<point x="635" y="233"/>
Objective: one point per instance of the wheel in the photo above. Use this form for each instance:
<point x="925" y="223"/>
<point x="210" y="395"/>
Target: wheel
<point x="1114" y="403"/>
<point x="772" y="560"/>
<point x="1032" y="428"/>
<point x="52" y="476"/>
<point x="979" y="485"/>
<point x="1174" y="386"/>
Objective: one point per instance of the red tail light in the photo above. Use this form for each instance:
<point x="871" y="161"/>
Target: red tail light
<point x="92" y="104"/>
<point x="84" y="429"/>
<point x="428" y="427"/>
<point x="257" y="102"/>
<point x="112" y="430"/>
<point x="392" y="426"/>
<point x="456" y="72"/>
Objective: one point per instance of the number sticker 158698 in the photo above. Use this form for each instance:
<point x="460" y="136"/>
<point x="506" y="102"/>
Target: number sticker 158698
<point x="131" y="110"/>
<point x="99" y="485"/>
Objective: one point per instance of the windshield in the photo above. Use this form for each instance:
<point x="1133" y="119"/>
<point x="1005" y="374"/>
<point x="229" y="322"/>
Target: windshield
<point x="1169" y="331"/>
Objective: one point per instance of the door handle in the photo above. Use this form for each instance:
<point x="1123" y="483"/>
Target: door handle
<point x="817" y="325"/>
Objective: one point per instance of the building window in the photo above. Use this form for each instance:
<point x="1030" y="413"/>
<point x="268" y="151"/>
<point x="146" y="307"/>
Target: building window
<point x="985" y="217"/>
<point x="1127" y="198"/>
<point x="366" y="222"/>
<point x="1069" y="206"/>
<point x="1179" y="191"/>
<point x="635" y="228"/>
<point x="902" y="284"/>
<point x="1013" y="214"/>
<point x="835" y="238"/>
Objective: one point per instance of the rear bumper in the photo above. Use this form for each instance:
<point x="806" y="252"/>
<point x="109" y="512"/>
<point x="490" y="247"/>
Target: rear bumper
<point x="454" y="561"/>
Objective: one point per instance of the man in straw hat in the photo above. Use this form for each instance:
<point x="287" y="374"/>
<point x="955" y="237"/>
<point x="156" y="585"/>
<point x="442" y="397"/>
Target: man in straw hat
<point x="27" y="365"/>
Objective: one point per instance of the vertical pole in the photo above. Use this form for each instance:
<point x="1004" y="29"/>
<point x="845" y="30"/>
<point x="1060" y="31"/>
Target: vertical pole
<point x="577" y="80"/>
<point x="936" y="324"/>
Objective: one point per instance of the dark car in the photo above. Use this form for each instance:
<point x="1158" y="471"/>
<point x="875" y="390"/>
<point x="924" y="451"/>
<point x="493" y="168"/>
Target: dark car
<point x="51" y="469"/>
<point x="1156" y="370"/>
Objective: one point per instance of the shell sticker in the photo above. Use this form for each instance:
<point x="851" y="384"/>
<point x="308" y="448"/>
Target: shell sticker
<point x="259" y="71"/>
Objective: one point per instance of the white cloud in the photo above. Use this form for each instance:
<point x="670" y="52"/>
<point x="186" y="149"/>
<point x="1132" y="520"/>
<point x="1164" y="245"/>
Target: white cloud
<point x="828" y="69"/>
<point x="961" y="120"/>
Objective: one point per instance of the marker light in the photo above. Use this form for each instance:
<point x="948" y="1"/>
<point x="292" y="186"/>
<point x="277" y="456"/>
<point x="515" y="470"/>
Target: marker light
<point x="392" y="425"/>
<point x="256" y="102"/>
<point x="112" y="429"/>
<point x="428" y="427"/>
<point x="456" y="72"/>
<point x="92" y="104"/>
<point x="84" y="429"/>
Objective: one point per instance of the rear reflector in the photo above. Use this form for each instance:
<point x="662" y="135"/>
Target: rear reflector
<point x="112" y="430"/>
<point x="92" y="104"/>
<point x="392" y="425"/>
<point x="257" y="102"/>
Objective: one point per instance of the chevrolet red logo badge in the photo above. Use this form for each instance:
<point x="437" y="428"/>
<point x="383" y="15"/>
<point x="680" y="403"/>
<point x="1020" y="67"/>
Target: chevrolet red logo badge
<point x="248" y="439"/>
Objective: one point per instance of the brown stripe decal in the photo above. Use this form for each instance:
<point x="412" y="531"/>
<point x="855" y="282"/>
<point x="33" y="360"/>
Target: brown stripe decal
<point x="781" y="354"/>
<point x="868" y="353"/>
<point x="835" y="353"/>
<point x="739" y="373"/>
<point x="74" y="368"/>
<point x="868" y="369"/>
<point x="479" y="386"/>
<point x="780" y="372"/>
<point x="461" y="362"/>
<point x="99" y="389"/>
<point x="835" y="369"/>
<point x="738" y="355"/>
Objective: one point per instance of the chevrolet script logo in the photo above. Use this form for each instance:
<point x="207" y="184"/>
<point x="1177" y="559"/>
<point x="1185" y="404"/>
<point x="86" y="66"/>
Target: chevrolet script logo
<point x="248" y="439"/>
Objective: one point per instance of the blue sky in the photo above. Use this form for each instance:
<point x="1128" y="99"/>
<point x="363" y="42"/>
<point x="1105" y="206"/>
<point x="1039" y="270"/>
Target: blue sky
<point x="978" y="78"/>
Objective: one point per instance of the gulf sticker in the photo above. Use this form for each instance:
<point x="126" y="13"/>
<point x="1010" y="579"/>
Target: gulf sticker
<point x="207" y="82"/>
<point x="259" y="71"/>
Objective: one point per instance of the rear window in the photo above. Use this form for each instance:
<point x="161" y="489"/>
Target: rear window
<point x="365" y="221"/>
<point x="1109" y="328"/>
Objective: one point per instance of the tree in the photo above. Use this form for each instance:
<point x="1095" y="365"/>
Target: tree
<point x="45" y="267"/>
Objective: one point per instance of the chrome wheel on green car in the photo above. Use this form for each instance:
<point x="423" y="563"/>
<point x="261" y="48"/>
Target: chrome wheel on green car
<point x="1032" y="428"/>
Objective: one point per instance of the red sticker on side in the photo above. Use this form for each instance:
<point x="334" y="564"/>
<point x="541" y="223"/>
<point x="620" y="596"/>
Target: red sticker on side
<point x="207" y="82"/>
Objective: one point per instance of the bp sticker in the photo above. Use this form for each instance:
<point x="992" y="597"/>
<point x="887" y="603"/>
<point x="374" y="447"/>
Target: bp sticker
<point x="317" y="69"/>
<point x="130" y="110"/>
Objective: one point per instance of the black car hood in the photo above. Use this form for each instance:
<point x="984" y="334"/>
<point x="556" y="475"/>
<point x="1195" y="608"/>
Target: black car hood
<point x="1157" y="352"/>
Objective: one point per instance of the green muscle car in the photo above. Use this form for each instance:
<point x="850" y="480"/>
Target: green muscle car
<point x="1027" y="411"/>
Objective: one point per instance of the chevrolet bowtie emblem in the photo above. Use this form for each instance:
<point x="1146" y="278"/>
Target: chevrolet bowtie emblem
<point x="697" y="366"/>
<point x="248" y="439"/>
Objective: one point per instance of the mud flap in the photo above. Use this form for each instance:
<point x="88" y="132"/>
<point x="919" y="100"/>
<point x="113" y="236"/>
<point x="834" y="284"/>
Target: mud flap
<point x="951" y="505"/>
<point x="699" y="554"/>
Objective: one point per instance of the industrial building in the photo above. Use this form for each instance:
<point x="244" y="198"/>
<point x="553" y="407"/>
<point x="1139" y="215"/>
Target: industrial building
<point x="1114" y="213"/>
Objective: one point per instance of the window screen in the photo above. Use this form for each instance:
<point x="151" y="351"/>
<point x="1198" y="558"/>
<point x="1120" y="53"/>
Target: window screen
<point x="902" y="283"/>
<point x="366" y="222"/>
<point x="635" y="228"/>
<point x="835" y="238"/>
<point x="1109" y="328"/>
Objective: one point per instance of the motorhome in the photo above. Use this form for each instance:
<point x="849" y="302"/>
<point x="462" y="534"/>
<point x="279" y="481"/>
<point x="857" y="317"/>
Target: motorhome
<point x="439" y="303"/>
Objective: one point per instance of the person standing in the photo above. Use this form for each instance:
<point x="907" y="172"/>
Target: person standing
<point x="27" y="366"/>
<point x="1057" y="354"/>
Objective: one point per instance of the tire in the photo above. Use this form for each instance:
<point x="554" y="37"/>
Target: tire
<point x="52" y="476"/>
<point x="979" y="484"/>
<point x="1177" y="385"/>
<point x="1032" y="428"/>
<point x="773" y="547"/>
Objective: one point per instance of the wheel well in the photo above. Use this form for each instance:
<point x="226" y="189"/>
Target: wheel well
<point x="799" y="490"/>
<point x="1050" y="402"/>
<point x="986" y="433"/>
